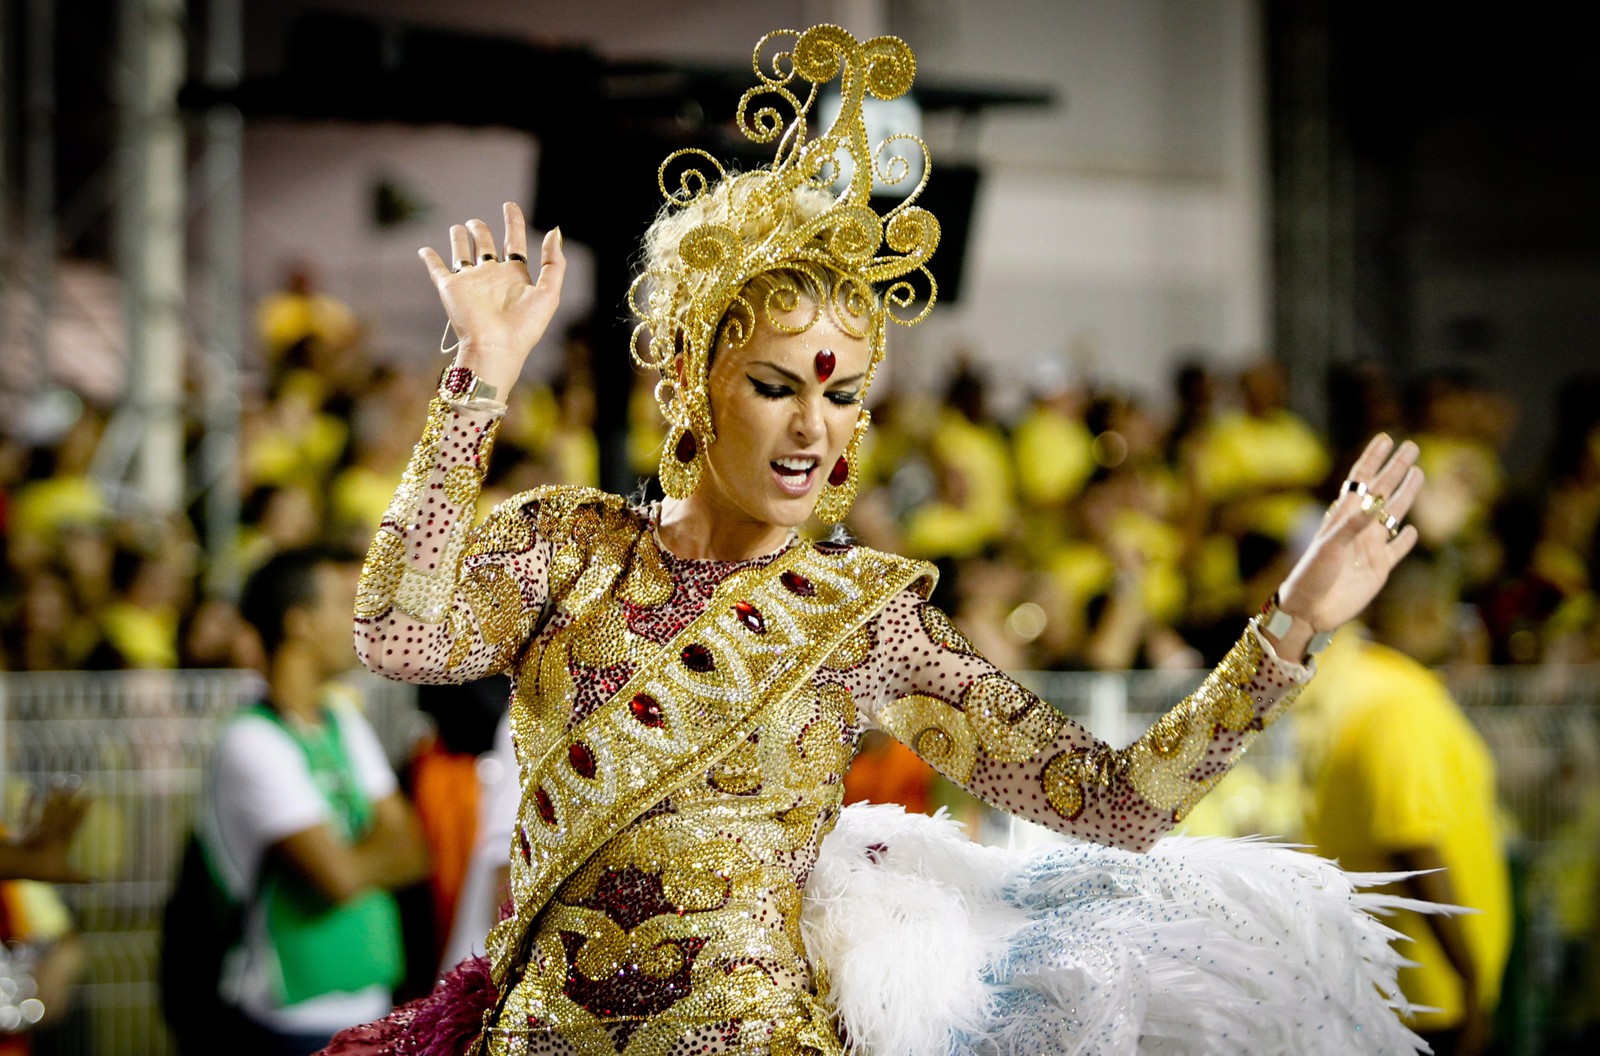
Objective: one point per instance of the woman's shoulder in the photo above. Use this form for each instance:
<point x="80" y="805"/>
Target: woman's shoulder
<point x="577" y="522"/>
<point x="556" y="508"/>
<point x="879" y="569"/>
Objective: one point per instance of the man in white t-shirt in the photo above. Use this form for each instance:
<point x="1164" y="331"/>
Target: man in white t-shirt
<point x="305" y="825"/>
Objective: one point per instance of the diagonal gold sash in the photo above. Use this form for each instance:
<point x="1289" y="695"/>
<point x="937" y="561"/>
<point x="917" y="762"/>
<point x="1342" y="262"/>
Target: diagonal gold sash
<point x="691" y="703"/>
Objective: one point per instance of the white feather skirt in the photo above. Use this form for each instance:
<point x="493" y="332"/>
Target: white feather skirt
<point x="930" y="945"/>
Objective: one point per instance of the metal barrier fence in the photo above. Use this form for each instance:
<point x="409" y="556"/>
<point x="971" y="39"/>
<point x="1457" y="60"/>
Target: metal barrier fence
<point x="140" y="742"/>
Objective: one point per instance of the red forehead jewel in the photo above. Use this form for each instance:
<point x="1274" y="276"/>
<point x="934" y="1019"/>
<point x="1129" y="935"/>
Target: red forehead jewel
<point x="825" y="363"/>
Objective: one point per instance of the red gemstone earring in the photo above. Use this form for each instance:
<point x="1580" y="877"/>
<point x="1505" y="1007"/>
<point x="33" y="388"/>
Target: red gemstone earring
<point x="681" y="464"/>
<point x="840" y="491"/>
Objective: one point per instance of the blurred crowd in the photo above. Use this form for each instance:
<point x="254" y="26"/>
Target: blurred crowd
<point x="1091" y="531"/>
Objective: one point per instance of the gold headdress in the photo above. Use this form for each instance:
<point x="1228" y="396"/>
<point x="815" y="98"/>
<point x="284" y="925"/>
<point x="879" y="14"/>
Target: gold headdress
<point x="718" y="232"/>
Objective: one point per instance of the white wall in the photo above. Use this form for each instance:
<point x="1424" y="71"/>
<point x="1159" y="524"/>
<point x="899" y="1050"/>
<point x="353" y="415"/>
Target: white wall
<point x="1131" y="221"/>
<point x="308" y="198"/>
<point x="1121" y="226"/>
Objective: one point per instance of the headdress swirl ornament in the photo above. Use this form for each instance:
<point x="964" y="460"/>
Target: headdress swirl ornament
<point x="718" y="231"/>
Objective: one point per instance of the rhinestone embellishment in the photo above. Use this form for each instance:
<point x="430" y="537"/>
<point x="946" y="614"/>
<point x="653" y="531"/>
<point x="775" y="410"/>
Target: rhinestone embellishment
<point x="795" y="583"/>
<point x="647" y="710"/>
<point x="750" y="616"/>
<point x="581" y="759"/>
<point x="547" y="809"/>
<point x="697" y="658"/>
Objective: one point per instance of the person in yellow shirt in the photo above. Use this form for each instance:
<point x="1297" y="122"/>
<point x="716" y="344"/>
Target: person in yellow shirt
<point x="1054" y="447"/>
<point x="1259" y="465"/>
<point x="972" y="462"/>
<point x="1397" y="778"/>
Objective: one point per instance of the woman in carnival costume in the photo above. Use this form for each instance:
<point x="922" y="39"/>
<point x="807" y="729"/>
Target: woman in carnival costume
<point x="690" y="680"/>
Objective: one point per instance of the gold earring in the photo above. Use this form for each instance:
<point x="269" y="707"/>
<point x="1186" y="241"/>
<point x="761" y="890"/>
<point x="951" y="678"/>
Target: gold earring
<point x="839" y="492"/>
<point x="681" y="464"/>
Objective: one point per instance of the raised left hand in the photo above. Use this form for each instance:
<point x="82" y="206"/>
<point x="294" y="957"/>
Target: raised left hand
<point x="1351" y="555"/>
<point x="40" y="849"/>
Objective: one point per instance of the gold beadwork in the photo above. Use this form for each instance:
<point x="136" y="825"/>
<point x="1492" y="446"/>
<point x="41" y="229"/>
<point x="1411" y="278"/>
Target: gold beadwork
<point x="1009" y="722"/>
<point x="1161" y="765"/>
<point x="853" y="651"/>
<point x="495" y="598"/>
<point x="646" y="583"/>
<point x="461" y="486"/>
<point x="942" y="630"/>
<point x="748" y="794"/>
<point x="387" y="578"/>
<point x="380" y="574"/>
<point x="934" y="730"/>
<point x="1064" y="778"/>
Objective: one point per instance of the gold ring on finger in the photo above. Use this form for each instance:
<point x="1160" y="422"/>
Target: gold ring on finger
<point x="1372" y="502"/>
<point x="1391" y="524"/>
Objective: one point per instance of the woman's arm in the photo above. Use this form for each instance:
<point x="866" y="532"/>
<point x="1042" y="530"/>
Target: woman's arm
<point x="439" y="600"/>
<point x="924" y="683"/>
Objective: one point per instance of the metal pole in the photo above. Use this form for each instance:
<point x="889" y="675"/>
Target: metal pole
<point x="6" y="310"/>
<point x="224" y="226"/>
<point x="39" y="175"/>
<point x="153" y="245"/>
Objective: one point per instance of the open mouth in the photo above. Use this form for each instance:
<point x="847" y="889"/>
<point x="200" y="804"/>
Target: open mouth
<point x="794" y="474"/>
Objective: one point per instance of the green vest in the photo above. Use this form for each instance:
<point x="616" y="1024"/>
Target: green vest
<point x="323" y="948"/>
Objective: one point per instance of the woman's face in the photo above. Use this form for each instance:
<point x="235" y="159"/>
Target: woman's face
<point x="783" y="406"/>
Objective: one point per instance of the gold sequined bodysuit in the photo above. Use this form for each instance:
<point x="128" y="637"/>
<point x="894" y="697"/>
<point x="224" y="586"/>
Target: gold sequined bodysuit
<point x="682" y="728"/>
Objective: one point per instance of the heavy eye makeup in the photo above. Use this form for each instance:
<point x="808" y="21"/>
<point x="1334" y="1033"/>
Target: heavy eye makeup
<point x="782" y="390"/>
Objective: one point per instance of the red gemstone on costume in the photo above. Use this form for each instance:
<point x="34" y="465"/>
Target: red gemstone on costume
<point x="697" y="657"/>
<point x="687" y="447"/>
<point x="647" y="710"/>
<point x="750" y="616"/>
<point x="547" y="809"/>
<point x="581" y="758"/>
<point x="522" y="838"/>
<point x="840" y="472"/>
<point x="797" y="584"/>
<point x="825" y="364"/>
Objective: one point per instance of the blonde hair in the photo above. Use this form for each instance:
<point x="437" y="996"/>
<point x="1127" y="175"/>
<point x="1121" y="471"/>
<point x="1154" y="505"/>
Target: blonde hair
<point x="737" y="203"/>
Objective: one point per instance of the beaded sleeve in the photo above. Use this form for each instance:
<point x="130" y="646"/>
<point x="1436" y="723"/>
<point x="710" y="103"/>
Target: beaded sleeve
<point x="924" y="683"/>
<point x="442" y="600"/>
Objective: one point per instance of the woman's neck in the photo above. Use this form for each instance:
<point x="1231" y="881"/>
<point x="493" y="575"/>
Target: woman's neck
<point x="695" y="529"/>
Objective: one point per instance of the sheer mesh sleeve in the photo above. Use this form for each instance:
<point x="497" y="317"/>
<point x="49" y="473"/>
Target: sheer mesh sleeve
<point x="441" y="600"/>
<point x="924" y="683"/>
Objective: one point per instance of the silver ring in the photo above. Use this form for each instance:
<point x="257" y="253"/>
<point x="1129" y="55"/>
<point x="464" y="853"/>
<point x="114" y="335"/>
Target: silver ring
<point x="460" y="264"/>
<point x="518" y="257"/>
<point x="1391" y="524"/>
<point x="484" y="258"/>
<point x="1358" y="487"/>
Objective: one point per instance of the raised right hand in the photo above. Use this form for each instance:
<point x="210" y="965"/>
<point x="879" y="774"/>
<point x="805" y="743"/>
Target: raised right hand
<point x="498" y="310"/>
